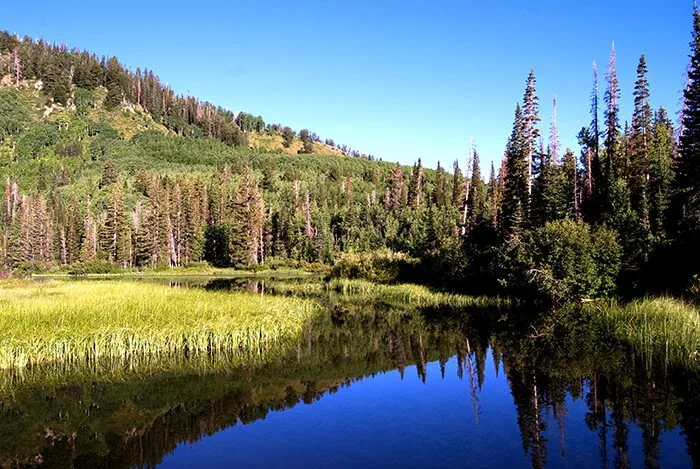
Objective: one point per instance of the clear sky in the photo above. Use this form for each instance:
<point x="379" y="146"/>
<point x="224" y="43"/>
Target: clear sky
<point x="397" y="79"/>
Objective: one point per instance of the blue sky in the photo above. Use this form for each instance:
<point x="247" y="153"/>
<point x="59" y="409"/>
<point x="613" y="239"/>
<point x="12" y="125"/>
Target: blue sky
<point x="397" y="79"/>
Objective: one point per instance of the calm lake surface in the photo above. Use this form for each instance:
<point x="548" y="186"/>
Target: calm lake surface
<point x="370" y="385"/>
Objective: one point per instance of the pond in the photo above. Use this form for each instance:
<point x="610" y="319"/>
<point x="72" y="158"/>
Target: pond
<point x="369" y="385"/>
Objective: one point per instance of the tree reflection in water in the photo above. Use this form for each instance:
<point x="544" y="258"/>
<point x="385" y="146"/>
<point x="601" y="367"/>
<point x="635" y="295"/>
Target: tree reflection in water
<point x="123" y="419"/>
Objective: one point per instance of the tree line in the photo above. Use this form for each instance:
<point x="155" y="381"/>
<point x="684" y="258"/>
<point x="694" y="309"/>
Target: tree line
<point x="620" y="214"/>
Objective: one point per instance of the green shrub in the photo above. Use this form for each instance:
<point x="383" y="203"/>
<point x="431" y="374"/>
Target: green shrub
<point x="95" y="267"/>
<point x="382" y="266"/>
<point x="568" y="259"/>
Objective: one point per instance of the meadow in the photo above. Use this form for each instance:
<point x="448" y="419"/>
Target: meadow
<point x="69" y="322"/>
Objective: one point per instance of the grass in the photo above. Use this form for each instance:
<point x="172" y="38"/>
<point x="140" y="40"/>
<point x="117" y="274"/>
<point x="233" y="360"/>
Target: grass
<point x="654" y="326"/>
<point x="414" y="295"/>
<point x="64" y="322"/>
<point x="195" y="271"/>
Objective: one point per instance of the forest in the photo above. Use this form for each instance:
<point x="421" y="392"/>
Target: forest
<point x="107" y="169"/>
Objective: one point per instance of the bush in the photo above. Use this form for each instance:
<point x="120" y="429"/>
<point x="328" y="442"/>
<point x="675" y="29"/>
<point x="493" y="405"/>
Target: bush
<point x="382" y="266"/>
<point x="95" y="267"/>
<point x="568" y="260"/>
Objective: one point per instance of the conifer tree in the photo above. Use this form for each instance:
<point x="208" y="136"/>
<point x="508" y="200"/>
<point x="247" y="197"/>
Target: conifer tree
<point x="109" y="174"/>
<point x="531" y="134"/>
<point x="515" y="190"/>
<point x="570" y="185"/>
<point x="607" y="181"/>
<point x="394" y="198"/>
<point x="115" y="236"/>
<point x="589" y="139"/>
<point x="639" y="145"/>
<point x="477" y="212"/>
<point x="88" y="250"/>
<point x="415" y="185"/>
<point x="686" y="203"/>
<point x="662" y="149"/>
<point x="554" y="134"/>
<point x="457" y="187"/>
<point x="440" y="190"/>
<point x="494" y="198"/>
<point x="142" y="241"/>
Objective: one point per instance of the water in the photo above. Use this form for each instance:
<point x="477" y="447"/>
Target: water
<point x="372" y="386"/>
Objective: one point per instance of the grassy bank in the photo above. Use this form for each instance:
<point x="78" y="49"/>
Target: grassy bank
<point x="665" y="327"/>
<point x="414" y="295"/>
<point x="205" y="271"/>
<point x="76" y="322"/>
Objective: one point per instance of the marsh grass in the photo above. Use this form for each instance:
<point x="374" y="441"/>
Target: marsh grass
<point x="410" y="294"/>
<point x="122" y="323"/>
<point x="656" y="327"/>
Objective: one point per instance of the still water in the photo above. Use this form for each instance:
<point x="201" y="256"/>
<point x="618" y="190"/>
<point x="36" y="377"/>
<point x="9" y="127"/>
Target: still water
<point x="371" y="385"/>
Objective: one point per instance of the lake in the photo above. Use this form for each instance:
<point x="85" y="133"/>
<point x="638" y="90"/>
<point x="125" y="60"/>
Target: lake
<point x="369" y="385"/>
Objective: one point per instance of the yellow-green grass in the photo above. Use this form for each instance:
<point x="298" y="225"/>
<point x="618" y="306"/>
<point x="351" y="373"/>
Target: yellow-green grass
<point x="64" y="322"/>
<point x="410" y="294"/>
<point x="197" y="271"/>
<point x="656" y="326"/>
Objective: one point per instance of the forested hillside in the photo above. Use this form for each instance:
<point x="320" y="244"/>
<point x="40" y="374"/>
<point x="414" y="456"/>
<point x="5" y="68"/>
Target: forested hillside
<point x="107" y="168"/>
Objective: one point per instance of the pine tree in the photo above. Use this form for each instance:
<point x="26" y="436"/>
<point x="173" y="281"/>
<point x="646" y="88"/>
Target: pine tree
<point x="394" y="195"/>
<point x="440" y="189"/>
<point x="589" y="139"/>
<point x="477" y="211"/>
<point x="605" y="184"/>
<point x="570" y="185"/>
<point x="515" y="191"/>
<point x="115" y="81"/>
<point x="662" y="149"/>
<point x="109" y="174"/>
<point x="686" y="203"/>
<point x="115" y="236"/>
<point x="494" y="199"/>
<point x="247" y="221"/>
<point x="639" y="145"/>
<point x="531" y="134"/>
<point x="415" y="185"/>
<point x="457" y="187"/>
<point x="88" y="250"/>
<point x="554" y="134"/>
<point x="142" y="240"/>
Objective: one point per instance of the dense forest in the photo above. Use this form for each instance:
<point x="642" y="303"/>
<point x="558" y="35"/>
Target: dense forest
<point x="107" y="169"/>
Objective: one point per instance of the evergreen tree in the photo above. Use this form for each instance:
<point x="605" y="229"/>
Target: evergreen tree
<point x="515" y="192"/>
<point x="458" y="195"/>
<point x="394" y="193"/>
<point x="570" y="185"/>
<point x="589" y="139"/>
<point x="605" y="184"/>
<point x="477" y="209"/>
<point x="639" y="145"/>
<point x="531" y="134"/>
<point x="440" y="189"/>
<point x="662" y="148"/>
<point x="415" y="185"/>
<point x="109" y="174"/>
<point x="115" y="236"/>
<point x="115" y="80"/>
<point x="686" y="210"/>
<point x="494" y="197"/>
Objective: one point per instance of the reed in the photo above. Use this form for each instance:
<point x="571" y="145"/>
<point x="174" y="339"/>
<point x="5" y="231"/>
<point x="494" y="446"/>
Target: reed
<point x="414" y="295"/>
<point x="64" y="322"/>
<point x="665" y="327"/>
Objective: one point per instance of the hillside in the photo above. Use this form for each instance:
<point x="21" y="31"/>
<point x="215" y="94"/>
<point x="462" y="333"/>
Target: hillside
<point x="104" y="169"/>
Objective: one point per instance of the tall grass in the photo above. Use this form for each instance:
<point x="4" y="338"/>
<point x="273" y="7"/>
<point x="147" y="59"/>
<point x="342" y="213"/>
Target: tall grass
<point x="664" y="327"/>
<point x="125" y="322"/>
<point x="414" y="295"/>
